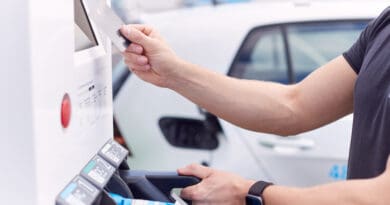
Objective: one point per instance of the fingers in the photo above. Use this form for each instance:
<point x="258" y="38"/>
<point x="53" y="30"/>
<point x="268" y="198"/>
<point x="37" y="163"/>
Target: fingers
<point x="135" y="35"/>
<point x="135" y="48"/>
<point x="195" y="170"/>
<point x="135" y="59"/>
<point x="147" y="30"/>
<point x="193" y="193"/>
<point x="133" y="54"/>
<point x="135" y="68"/>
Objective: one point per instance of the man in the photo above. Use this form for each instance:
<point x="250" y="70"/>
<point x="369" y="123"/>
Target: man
<point x="357" y="81"/>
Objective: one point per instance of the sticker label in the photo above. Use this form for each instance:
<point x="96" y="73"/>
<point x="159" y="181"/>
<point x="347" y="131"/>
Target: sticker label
<point x="338" y="172"/>
<point x="78" y="192"/>
<point x="98" y="171"/>
<point x="113" y="152"/>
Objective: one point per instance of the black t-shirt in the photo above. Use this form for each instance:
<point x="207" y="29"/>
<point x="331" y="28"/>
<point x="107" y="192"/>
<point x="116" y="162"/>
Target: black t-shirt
<point x="370" y="58"/>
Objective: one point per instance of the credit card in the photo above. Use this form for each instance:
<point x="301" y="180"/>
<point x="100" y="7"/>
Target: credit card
<point x="108" y="22"/>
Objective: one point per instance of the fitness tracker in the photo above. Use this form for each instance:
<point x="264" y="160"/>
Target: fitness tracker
<point x="258" y="188"/>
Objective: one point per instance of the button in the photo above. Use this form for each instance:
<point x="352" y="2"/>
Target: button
<point x="66" y="111"/>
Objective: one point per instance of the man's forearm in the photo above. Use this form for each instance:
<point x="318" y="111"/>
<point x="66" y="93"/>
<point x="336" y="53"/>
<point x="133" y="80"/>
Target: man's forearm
<point x="259" y="106"/>
<point x="353" y="192"/>
<point x="324" y="96"/>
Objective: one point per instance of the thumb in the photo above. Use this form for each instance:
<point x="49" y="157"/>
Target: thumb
<point x="196" y="170"/>
<point x="135" y="35"/>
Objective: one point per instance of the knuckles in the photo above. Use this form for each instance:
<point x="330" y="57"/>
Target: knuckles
<point x="137" y="37"/>
<point x="193" y="166"/>
<point x="195" y="194"/>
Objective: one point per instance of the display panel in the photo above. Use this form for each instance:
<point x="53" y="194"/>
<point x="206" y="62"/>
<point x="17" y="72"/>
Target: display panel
<point x="84" y="35"/>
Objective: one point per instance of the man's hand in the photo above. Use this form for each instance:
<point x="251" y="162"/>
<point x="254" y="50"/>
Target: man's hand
<point x="216" y="187"/>
<point x="148" y="56"/>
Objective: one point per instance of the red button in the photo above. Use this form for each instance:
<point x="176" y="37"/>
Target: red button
<point x="66" y="111"/>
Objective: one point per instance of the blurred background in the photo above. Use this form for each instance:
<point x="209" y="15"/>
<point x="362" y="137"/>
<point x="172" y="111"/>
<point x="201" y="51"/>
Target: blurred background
<point x="156" y="6"/>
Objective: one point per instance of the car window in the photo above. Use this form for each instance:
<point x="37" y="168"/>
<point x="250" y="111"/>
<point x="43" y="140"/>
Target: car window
<point x="265" y="56"/>
<point x="314" y="44"/>
<point x="262" y="57"/>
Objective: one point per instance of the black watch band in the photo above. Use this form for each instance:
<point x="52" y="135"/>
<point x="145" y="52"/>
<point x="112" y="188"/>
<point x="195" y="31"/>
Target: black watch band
<point x="257" y="188"/>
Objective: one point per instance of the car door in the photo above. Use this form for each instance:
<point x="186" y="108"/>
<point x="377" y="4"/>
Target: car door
<point x="287" y="53"/>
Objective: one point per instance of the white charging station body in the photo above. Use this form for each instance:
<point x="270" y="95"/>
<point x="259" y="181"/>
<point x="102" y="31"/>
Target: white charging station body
<point x="47" y="140"/>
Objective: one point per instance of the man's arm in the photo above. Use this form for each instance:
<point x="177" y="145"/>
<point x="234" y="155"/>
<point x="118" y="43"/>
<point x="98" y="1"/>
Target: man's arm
<point x="216" y="189"/>
<point x="323" y="97"/>
<point x="352" y="192"/>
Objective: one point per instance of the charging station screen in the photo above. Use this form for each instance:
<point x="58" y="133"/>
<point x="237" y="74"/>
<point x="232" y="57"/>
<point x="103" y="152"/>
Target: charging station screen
<point x="84" y="35"/>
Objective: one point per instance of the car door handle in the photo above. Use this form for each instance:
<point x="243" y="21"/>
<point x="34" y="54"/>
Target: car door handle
<point x="292" y="143"/>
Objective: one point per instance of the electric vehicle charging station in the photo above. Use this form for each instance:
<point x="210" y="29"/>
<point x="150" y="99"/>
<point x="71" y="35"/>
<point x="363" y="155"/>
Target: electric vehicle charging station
<point x="60" y="109"/>
<point x="58" y="113"/>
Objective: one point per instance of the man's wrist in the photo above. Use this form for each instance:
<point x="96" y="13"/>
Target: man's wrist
<point x="186" y="76"/>
<point x="246" y="185"/>
<point x="178" y="78"/>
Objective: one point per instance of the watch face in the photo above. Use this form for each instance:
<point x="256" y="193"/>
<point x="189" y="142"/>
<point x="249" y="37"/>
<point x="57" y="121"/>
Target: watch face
<point x="253" y="200"/>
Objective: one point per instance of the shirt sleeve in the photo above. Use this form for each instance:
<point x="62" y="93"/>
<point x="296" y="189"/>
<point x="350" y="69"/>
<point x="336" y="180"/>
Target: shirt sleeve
<point x="355" y="55"/>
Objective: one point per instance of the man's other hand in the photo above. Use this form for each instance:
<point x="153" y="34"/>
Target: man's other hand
<point x="216" y="187"/>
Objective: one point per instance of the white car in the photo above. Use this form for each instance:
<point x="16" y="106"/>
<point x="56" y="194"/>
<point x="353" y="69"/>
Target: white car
<point x="281" y="42"/>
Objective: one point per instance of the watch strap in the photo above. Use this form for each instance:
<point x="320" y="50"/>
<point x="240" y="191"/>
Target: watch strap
<point x="258" y="188"/>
